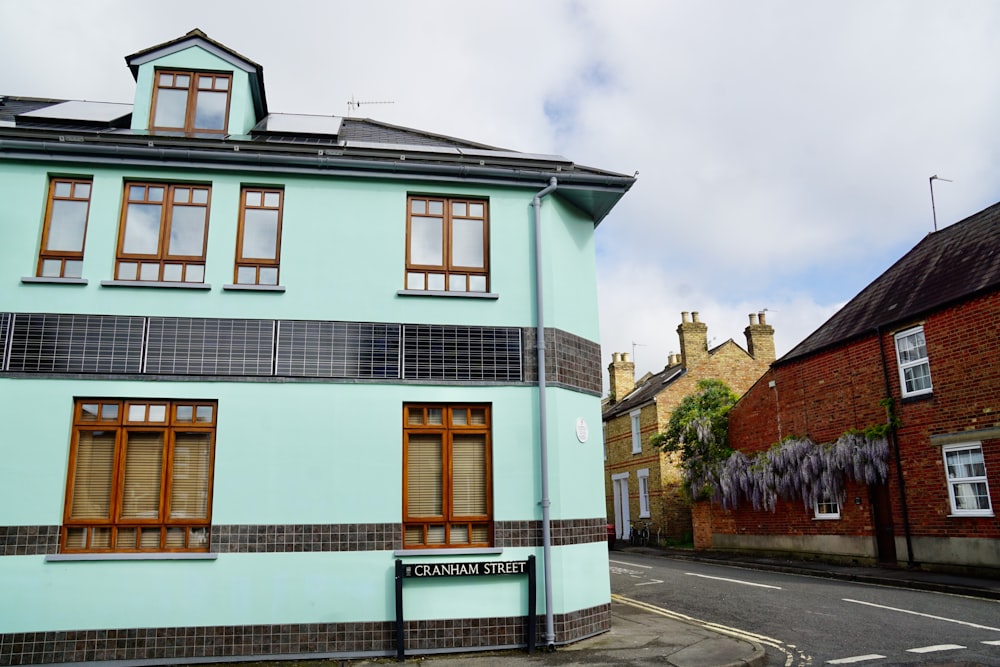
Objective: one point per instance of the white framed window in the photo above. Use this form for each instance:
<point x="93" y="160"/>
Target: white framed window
<point x="826" y="507"/>
<point x="636" y="436"/>
<point x="914" y="367"/>
<point x="965" y="470"/>
<point x="643" y="476"/>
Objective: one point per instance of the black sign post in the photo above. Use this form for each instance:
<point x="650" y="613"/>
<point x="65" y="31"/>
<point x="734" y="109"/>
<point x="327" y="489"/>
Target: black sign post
<point x="469" y="569"/>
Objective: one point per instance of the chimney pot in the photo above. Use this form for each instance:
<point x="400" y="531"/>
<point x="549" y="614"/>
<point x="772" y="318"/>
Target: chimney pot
<point x="626" y="356"/>
<point x="761" y="316"/>
<point x="694" y="316"/>
<point x="753" y="319"/>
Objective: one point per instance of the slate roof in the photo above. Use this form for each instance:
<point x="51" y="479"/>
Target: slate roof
<point x="646" y="392"/>
<point x="948" y="266"/>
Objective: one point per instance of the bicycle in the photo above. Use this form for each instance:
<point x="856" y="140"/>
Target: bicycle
<point x="639" y="536"/>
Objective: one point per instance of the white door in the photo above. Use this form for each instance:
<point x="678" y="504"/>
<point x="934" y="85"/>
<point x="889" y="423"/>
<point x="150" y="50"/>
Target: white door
<point x="622" y="517"/>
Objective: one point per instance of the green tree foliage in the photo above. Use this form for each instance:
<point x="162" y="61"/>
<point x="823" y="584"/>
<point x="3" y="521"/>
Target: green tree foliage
<point x="699" y="430"/>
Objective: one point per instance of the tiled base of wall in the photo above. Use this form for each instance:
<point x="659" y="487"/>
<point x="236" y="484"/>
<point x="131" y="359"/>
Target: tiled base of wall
<point x="249" y="641"/>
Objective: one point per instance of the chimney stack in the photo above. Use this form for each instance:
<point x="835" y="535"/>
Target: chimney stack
<point x="694" y="339"/>
<point x="621" y="375"/>
<point x="760" y="338"/>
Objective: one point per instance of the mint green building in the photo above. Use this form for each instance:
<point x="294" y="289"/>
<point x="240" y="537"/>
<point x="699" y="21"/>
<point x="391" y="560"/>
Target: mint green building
<point x="249" y="362"/>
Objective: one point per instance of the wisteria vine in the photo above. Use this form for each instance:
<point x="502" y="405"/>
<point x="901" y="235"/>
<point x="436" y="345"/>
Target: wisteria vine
<point x="795" y="468"/>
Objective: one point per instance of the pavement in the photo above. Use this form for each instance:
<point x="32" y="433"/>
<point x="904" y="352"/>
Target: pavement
<point x="645" y="635"/>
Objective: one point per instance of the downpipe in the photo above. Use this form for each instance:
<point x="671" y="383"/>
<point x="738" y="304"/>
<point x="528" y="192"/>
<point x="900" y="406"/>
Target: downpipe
<point x="536" y="203"/>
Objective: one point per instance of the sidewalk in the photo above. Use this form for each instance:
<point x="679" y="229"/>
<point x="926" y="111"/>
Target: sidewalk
<point x="637" y="637"/>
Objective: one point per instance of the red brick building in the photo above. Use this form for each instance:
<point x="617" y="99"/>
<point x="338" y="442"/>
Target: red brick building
<point x="925" y="334"/>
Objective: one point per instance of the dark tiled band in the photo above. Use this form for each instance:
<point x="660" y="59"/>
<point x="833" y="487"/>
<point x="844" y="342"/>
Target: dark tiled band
<point x="35" y="540"/>
<point x="331" y="639"/>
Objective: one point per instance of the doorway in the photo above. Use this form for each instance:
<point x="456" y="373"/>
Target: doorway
<point x="619" y="487"/>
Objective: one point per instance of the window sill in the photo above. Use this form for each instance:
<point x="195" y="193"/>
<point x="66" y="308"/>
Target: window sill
<point x="154" y="283"/>
<point x="913" y="398"/>
<point x="481" y="551"/>
<point x="53" y="281"/>
<point x="200" y="555"/>
<point x="827" y="518"/>
<point x="454" y="295"/>
<point x="972" y="515"/>
<point x="254" y="288"/>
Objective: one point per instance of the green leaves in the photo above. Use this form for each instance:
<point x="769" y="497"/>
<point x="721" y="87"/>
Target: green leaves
<point x="699" y="430"/>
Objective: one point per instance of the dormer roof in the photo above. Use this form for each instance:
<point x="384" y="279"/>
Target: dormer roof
<point x="198" y="38"/>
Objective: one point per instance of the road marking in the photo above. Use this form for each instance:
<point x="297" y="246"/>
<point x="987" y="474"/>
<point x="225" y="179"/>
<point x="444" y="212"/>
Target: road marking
<point x="722" y="629"/>
<point x="732" y="581"/>
<point x="995" y="643"/>
<point x="621" y="562"/>
<point x="933" y="649"/>
<point x="857" y="658"/>
<point x="653" y="581"/>
<point x="917" y="613"/>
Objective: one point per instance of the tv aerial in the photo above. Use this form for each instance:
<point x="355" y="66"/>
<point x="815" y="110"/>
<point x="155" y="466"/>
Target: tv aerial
<point x="353" y="104"/>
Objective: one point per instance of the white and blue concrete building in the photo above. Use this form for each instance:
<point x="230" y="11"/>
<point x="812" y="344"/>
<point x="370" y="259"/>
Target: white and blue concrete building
<point x="249" y="361"/>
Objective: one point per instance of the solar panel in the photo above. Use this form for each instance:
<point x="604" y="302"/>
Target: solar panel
<point x="4" y="343"/>
<point x="287" y="123"/>
<point x="338" y="349"/>
<point x="189" y="346"/>
<point x="91" y="113"/>
<point x="436" y="352"/>
<point x="51" y="343"/>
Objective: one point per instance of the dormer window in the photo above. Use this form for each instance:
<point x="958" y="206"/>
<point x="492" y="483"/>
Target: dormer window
<point x="191" y="101"/>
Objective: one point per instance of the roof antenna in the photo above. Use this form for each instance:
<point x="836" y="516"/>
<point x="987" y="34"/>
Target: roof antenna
<point x="353" y="104"/>
<point x="635" y="345"/>
<point x="931" y="180"/>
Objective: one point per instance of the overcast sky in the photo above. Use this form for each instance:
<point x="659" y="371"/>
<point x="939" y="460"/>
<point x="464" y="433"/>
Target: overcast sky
<point x="783" y="148"/>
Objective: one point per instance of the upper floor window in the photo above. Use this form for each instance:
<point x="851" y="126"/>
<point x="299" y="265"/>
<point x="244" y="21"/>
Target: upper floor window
<point x="61" y="251"/>
<point x="447" y="244"/>
<point x="163" y="232"/>
<point x="191" y="101"/>
<point x="968" y="491"/>
<point x="914" y="367"/>
<point x="258" y="242"/>
<point x="634" y="419"/>
<point x="446" y="476"/>
<point x="140" y="476"/>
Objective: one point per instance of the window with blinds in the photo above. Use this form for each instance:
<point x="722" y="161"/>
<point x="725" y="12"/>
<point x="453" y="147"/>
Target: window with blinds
<point x="447" y="493"/>
<point x="140" y="476"/>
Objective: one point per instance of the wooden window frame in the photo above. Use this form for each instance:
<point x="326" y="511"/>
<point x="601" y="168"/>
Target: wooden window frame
<point x="63" y="256"/>
<point x="191" y="105"/>
<point x="448" y="519"/>
<point x="422" y="272"/>
<point x="162" y="257"/>
<point x="256" y="263"/>
<point x="196" y="531"/>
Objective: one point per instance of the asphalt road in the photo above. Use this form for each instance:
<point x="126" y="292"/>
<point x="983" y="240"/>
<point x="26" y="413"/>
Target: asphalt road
<point x="803" y="620"/>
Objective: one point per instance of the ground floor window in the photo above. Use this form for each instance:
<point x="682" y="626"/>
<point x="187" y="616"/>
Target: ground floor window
<point x="643" y="476"/>
<point x="827" y="508"/>
<point x="967" y="488"/>
<point x="447" y="477"/>
<point x="140" y="476"/>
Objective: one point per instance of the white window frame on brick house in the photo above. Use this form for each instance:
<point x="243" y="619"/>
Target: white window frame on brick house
<point x="913" y="362"/>
<point x="826" y="508"/>
<point x="643" y="476"/>
<point x="636" y="428"/>
<point x="966" y="477"/>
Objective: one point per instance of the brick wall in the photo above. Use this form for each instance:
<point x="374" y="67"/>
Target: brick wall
<point x="839" y="389"/>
